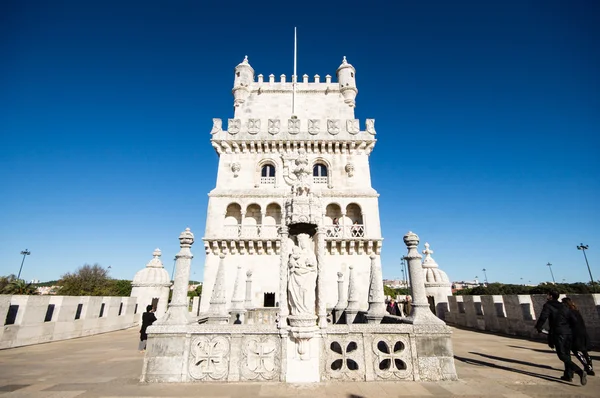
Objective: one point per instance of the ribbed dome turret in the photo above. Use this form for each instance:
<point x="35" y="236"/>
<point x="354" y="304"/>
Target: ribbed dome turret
<point x="153" y="274"/>
<point x="432" y="272"/>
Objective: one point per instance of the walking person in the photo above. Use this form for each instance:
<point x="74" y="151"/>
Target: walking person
<point x="148" y="319"/>
<point x="581" y="339"/>
<point x="560" y="319"/>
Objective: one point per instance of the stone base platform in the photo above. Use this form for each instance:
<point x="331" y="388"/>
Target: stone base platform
<point x="358" y="352"/>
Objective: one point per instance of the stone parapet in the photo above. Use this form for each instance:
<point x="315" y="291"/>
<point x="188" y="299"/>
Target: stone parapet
<point x="517" y="314"/>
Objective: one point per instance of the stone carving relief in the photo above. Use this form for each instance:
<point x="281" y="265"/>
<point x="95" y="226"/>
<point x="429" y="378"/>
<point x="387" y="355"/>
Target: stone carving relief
<point x="313" y="126"/>
<point x="260" y="358"/>
<point x="302" y="280"/>
<point x="253" y="126"/>
<point x="235" y="168"/>
<point x="209" y="358"/>
<point x="217" y="126"/>
<point x="234" y="126"/>
<point x="344" y="359"/>
<point x="301" y="175"/>
<point x="333" y="126"/>
<point x="274" y="126"/>
<point x="350" y="169"/>
<point x="293" y="126"/>
<point x="371" y="126"/>
<point x="352" y="126"/>
<point x="392" y="357"/>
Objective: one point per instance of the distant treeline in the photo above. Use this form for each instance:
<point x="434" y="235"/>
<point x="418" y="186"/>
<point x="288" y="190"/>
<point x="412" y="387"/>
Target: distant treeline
<point x="543" y="288"/>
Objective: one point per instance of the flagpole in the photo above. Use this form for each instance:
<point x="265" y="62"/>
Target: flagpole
<point x="294" y="77"/>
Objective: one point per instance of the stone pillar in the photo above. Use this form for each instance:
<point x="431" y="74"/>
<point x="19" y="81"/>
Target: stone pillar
<point x="248" y="303"/>
<point x="195" y="305"/>
<point x="321" y="303"/>
<point x="342" y="299"/>
<point x="237" y="300"/>
<point x="283" y="279"/>
<point x="376" y="310"/>
<point x="217" y="310"/>
<point x="178" y="312"/>
<point x="353" y="304"/>
<point x="420" y="306"/>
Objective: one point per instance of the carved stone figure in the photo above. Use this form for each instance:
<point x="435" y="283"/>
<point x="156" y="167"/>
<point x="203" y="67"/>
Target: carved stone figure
<point x="235" y="168"/>
<point x="301" y="180"/>
<point x="302" y="281"/>
<point x="350" y="169"/>
<point x="217" y="126"/>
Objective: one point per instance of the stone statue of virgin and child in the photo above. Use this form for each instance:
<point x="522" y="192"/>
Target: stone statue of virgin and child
<point x="302" y="279"/>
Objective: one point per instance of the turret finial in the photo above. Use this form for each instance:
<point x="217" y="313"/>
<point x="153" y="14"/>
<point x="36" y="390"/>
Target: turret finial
<point x="344" y="60"/>
<point x="245" y="59"/>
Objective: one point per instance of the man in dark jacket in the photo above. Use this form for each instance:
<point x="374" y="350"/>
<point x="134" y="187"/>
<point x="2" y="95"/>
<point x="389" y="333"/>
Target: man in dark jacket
<point x="560" y="320"/>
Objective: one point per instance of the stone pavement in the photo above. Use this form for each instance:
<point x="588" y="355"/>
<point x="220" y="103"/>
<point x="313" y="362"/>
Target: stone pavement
<point x="109" y="366"/>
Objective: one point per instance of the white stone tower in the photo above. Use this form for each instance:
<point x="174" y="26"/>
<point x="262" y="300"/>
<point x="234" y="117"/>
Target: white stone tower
<point x="257" y="155"/>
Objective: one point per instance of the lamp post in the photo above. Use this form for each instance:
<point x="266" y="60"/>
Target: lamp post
<point x="24" y="253"/>
<point x="551" y="273"/>
<point x="583" y="248"/>
<point x="173" y="272"/>
<point x="403" y="280"/>
<point x="485" y="276"/>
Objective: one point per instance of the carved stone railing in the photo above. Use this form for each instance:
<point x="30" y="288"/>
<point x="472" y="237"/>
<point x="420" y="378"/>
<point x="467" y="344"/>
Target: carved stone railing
<point x="251" y="231"/>
<point x="267" y="180"/>
<point x="345" y="231"/>
<point x="320" y="180"/>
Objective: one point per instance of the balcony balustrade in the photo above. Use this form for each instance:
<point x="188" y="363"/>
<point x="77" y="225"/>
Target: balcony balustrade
<point x="267" y="180"/>
<point x="345" y="231"/>
<point x="320" y="180"/>
<point x="251" y="231"/>
<point x="272" y="231"/>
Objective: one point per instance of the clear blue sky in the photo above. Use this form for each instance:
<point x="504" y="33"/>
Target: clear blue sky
<point x="487" y="114"/>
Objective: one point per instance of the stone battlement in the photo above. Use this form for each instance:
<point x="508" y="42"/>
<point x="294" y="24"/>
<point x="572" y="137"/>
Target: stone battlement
<point x="288" y="84"/>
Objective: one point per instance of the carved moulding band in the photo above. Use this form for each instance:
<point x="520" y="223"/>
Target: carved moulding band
<point x="209" y="358"/>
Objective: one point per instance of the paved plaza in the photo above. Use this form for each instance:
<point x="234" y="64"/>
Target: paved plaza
<point x="109" y="365"/>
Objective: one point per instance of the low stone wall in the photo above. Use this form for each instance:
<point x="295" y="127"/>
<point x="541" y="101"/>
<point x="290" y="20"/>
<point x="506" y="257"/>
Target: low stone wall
<point x="517" y="314"/>
<point x="40" y="319"/>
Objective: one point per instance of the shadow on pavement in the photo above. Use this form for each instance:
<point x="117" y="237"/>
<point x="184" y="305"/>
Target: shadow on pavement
<point x="532" y="349"/>
<point x="477" y="362"/>
<point x="515" y="361"/>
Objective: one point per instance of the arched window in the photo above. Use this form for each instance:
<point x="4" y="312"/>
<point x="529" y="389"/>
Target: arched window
<point x="319" y="173"/>
<point x="267" y="174"/>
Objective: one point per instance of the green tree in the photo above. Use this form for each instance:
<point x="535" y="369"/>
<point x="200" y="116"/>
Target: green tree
<point x="388" y="291"/>
<point x="120" y="287"/>
<point x="88" y="280"/>
<point x="19" y="286"/>
<point x="5" y="281"/>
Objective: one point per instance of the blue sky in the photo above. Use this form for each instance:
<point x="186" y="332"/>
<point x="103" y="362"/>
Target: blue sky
<point x="487" y="114"/>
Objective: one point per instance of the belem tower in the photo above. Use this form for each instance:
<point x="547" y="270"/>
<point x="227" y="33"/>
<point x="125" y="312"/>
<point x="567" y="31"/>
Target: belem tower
<point x="293" y="286"/>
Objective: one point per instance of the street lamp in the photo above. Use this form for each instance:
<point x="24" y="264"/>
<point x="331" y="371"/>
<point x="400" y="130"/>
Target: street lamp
<point x="485" y="276"/>
<point x="24" y="253"/>
<point x="551" y="273"/>
<point x="583" y="248"/>
<point x="173" y="272"/>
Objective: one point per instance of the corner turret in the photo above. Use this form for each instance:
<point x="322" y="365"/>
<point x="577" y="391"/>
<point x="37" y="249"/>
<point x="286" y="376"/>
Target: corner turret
<point x="244" y="76"/>
<point x="347" y="81"/>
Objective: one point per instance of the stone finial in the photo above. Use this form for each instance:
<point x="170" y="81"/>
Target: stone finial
<point x="260" y="78"/>
<point x="245" y="61"/>
<point x="328" y="79"/>
<point x="249" y="273"/>
<point x="344" y="60"/>
<point x="282" y="78"/>
<point x="156" y="253"/>
<point x="429" y="262"/>
<point x="317" y="78"/>
<point x="340" y="276"/>
<point x="186" y="238"/>
<point x="271" y="78"/>
<point x="411" y="239"/>
<point x="305" y="78"/>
